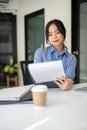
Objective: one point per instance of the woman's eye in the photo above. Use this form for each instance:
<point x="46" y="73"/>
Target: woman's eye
<point x="57" y="32"/>
<point x="50" y="34"/>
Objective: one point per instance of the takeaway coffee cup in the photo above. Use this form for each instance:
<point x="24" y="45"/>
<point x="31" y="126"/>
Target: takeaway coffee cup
<point x="39" y="93"/>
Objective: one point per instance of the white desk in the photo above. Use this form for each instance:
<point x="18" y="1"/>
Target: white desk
<point x="65" y="110"/>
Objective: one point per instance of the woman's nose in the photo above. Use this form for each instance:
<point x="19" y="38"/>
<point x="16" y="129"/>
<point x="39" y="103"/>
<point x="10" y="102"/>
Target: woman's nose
<point x="54" y="35"/>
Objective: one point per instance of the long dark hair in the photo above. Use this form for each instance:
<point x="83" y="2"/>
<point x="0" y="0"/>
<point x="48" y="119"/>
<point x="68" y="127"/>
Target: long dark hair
<point x="59" y="24"/>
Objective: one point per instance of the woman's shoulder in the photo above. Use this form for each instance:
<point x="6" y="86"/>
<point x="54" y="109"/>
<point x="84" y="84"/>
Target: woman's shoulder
<point x="43" y="49"/>
<point x="70" y="55"/>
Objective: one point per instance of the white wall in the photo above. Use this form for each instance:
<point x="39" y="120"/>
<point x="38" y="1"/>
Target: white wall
<point x="60" y="9"/>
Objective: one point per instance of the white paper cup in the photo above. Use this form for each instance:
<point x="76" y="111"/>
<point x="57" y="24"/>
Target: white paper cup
<point x="39" y="93"/>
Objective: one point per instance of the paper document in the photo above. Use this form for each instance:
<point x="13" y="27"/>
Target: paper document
<point x="14" y="93"/>
<point x="46" y="71"/>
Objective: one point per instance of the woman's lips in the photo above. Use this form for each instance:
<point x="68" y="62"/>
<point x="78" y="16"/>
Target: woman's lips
<point x="56" y="41"/>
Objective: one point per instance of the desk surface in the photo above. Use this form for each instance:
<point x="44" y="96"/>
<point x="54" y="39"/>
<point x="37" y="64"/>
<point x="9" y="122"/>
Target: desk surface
<point x="65" y="110"/>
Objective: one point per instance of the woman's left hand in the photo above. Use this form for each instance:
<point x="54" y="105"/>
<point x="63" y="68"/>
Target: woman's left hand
<point x="64" y="83"/>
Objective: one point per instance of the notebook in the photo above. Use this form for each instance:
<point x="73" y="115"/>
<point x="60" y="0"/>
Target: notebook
<point x="46" y="72"/>
<point x="16" y="94"/>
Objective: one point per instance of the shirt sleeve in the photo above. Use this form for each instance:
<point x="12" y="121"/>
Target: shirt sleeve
<point x="70" y="72"/>
<point x="38" y="56"/>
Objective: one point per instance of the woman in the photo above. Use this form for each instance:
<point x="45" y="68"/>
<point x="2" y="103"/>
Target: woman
<point x="55" y="36"/>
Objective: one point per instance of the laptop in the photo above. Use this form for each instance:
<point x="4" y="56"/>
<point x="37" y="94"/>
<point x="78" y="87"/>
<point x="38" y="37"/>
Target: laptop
<point x="16" y="94"/>
<point x="46" y="72"/>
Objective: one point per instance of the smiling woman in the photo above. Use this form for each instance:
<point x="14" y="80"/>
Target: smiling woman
<point x="55" y="36"/>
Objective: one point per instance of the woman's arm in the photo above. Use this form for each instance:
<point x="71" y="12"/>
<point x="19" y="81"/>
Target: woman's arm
<point x="38" y="56"/>
<point x="71" y="67"/>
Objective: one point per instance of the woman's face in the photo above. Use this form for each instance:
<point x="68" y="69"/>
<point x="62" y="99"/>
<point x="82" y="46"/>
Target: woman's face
<point x="54" y="36"/>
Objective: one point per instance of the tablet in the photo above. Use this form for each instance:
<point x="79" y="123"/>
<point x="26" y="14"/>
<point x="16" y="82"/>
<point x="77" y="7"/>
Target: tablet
<point x="46" y="71"/>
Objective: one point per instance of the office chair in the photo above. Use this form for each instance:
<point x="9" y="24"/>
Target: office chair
<point x="25" y="72"/>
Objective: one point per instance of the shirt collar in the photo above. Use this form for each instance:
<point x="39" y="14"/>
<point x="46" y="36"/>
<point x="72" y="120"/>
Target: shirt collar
<point x="52" y="49"/>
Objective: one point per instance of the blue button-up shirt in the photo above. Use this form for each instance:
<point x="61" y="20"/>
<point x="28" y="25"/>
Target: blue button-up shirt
<point x="51" y="54"/>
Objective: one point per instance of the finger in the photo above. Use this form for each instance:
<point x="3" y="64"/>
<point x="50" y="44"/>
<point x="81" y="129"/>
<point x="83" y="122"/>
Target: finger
<point x="60" y="80"/>
<point x="60" y="85"/>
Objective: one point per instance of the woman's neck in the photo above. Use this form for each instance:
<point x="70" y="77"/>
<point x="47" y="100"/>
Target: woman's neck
<point x="59" y="49"/>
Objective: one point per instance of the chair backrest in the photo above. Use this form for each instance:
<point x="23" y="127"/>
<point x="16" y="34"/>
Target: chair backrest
<point x="25" y="72"/>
